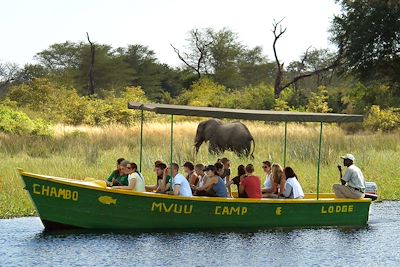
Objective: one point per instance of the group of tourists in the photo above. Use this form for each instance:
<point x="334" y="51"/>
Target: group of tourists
<point x="209" y="180"/>
<point x="215" y="180"/>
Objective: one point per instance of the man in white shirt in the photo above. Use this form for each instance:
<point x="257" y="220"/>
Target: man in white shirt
<point x="180" y="184"/>
<point x="353" y="183"/>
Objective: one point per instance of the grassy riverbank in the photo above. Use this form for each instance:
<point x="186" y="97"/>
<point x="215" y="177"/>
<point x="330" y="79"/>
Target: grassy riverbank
<point x="79" y="152"/>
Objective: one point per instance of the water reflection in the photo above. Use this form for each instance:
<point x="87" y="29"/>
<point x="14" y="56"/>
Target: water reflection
<point x="23" y="240"/>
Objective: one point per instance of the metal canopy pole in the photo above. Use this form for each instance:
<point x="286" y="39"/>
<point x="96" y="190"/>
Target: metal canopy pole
<point x="284" y="146"/>
<point x="171" y="149"/>
<point x="141" y="140"/>
<point x="319" y="159"/>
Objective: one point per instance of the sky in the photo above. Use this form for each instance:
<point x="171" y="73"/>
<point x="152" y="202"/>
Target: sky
<point x="30" y="26"/>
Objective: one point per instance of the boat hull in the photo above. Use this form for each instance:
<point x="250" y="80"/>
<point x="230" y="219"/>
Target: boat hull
<point x="65" y="203"/>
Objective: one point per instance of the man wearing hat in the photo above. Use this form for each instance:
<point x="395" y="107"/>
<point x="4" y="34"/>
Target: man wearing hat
<point x="353" y="183"/>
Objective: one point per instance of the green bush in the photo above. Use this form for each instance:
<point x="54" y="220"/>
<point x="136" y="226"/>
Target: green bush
<point x="45" y="99"/>
<point x="318" y="101"/>
<point x="360" y="98"/>
<point x="17" y="122"/>
<point x="385" y="120"/>
<point x="251" y="97"/>
<point x="203" y="93"/>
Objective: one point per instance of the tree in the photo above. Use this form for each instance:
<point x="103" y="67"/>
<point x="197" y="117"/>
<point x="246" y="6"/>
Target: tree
<point x="30" y="72"/>
<point x="8" y="73"/>
<point x="154" y="78"/>
<point x="255" y="68"/>
<point x="196" y="59"/>
<point x="279" y="85"/>
<point x="110" y="72"/>
<point x="60" y="56"/>
<point x="311" y="61"/>
<point x="225" y="54"/>
<point x="367" y="31"/>
<point x="219" y="55"/>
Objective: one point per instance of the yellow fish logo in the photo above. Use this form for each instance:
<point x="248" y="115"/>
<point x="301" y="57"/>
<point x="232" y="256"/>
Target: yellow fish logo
<point x="107" y="200"/>
<point x="278" y="211"/>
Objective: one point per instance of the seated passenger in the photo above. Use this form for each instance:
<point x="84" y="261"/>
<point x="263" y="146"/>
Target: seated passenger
<point x="292" y="186"/>
<point x="159" y="174"/>
<point x="135" y="178"/>
<point x="268" y="181"/>
<point x="199" y="169"/>
<point x="227" y="174"/>
<point x="191" y="175"/>
<point x="219" y="169"/>
<point x="352" y="182"/>
<point x="165" y="182"/>
<point x="180" y="184"/>
<point x="276" y="181"/>
<point x="250" y="184"/>
<point x="215" y="186"/>
<point x="118" y="177"/>
<point x="241" y="173"/>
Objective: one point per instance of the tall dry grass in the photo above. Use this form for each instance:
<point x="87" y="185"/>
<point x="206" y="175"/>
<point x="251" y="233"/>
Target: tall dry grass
<point x="79" y="152"/>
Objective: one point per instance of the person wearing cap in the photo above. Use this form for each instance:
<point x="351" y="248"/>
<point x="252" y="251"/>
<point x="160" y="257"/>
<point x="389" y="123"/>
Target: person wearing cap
<point x="215" y="186"/>
<point x="180" y="184"/>
<point x="353" y="183"/>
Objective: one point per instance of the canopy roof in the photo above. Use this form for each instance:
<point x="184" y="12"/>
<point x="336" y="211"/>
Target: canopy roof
<point x="245" y="114"/>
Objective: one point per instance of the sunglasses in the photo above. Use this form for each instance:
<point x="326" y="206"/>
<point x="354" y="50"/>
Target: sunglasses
<point x="264" y="167"/>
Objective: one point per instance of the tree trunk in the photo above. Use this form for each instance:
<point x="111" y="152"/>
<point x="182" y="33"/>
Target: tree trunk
<point x="91" y="88"/>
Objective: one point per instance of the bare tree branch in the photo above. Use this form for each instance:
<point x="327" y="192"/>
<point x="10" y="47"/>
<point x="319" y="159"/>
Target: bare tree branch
<point x="305" y="57"/>
<point x="278" y="78"/>
<point x="91" y="67"/>
<point x="8" y="73"/>
<point x="197" y="70"/>
<point x="315" y="72"/>
<point x="199" y="60"/>
<point x="278" y="88"/>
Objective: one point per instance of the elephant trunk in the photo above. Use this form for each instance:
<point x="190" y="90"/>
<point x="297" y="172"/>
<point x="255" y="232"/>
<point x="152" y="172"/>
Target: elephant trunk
<point x="197" y="142"/>
<point x="197" y="147"/>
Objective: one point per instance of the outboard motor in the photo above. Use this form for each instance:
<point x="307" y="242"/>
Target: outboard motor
<point x="371" y="190"/>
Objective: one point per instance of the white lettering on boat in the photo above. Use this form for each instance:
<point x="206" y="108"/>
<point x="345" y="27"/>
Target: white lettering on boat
<point x="337" y="209"/>
<point x="171" y="208"/>
<point x="224" y="210"/>
<point x="51" y="191"/>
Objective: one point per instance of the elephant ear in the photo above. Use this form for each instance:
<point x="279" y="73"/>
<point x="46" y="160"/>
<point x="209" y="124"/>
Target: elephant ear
<point x="211" y="127"/>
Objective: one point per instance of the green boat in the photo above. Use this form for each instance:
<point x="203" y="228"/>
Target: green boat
<point x="70" y="203"/>
<point x="66" y="203"/>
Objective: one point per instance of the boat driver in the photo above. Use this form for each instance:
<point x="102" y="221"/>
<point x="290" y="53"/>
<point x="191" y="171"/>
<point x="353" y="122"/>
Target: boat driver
<point x="353" y="183"/>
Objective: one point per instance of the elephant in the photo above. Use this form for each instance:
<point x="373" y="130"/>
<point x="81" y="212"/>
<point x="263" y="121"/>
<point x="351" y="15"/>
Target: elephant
<point x="232" y="136"/>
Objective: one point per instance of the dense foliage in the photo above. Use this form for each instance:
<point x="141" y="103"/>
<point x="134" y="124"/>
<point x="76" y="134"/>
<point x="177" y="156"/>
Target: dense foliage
<point x="17" y="122"/>
<point x="368" y="33"/>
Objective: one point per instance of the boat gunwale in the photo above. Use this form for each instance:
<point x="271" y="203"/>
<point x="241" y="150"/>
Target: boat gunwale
<point x="81" y="184"/>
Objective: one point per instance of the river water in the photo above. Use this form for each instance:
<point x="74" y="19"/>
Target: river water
<point x="23" y="242"/>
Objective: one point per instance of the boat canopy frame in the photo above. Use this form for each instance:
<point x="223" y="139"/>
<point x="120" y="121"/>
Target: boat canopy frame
<point x="243" y="114"/>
